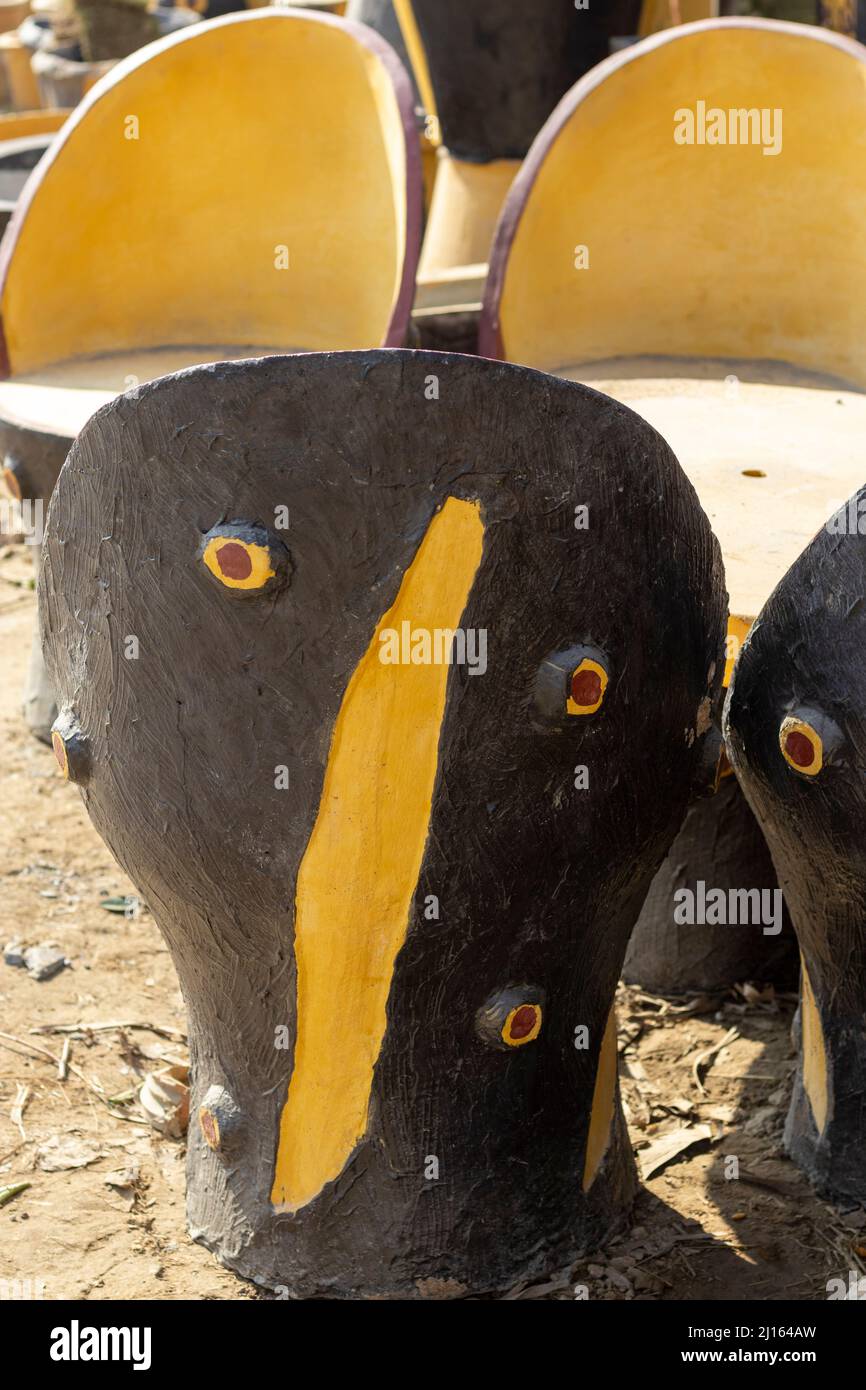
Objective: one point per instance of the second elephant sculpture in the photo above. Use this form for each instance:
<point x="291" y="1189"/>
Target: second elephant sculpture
<point x="796" y="726"/>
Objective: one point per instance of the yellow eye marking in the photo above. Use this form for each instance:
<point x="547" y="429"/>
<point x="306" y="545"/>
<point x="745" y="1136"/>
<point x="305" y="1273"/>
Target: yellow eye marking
<point x="71" y="748"/>
<point x="210" y="1127"/>
<point x="586" y="687"/>
<point x="239" y="564"/>
<point x="522" y="1025"/>
<point x="60" y="753"/>
<point x="801" y="745"/>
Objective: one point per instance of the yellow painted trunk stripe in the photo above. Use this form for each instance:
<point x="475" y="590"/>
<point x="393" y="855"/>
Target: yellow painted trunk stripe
<point x="603" y="1098"/>
<point x="360" y="870"/>
<point x="814" y="1053"/>
<point x="738" y="629"/>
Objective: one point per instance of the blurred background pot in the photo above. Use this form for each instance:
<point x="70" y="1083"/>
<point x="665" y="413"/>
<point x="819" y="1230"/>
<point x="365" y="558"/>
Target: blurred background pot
<point x="17" y="159"/>
<point x="63" y="77"/>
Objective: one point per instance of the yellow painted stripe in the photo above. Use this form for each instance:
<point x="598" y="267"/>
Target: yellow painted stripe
<point x="418" y="58"/>
<point x="359" y="873"/>
<point x="738" y="629"/>
<point x="603" y="1098"/>
<point x="814" y="1053"/>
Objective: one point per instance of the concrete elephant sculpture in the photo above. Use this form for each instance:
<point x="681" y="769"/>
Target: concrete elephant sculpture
<point x="392" y="743"/>
<point x="797" y="735"/>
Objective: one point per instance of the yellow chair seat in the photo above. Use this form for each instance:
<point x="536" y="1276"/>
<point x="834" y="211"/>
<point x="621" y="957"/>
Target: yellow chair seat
<point x="59" y="399"/>
<point x="771" y="455"/>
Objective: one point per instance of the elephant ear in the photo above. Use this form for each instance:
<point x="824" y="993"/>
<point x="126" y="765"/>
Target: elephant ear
<point x="796" y="730"/>
<point x="386" y="676"/>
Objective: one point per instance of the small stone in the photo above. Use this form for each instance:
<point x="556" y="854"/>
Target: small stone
<point x="760" y="1120"/>
<point x="621" y="1261"/>
<point x="618" y="1279"/>
<point x="43" y="962"/>
<point x="595" y="1271"/>
<point x="13" y="954"/>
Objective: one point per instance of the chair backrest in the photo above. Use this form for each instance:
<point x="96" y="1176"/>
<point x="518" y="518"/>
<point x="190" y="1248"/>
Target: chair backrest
<point x="251" y="180"/>
<point x="699" y="194"/>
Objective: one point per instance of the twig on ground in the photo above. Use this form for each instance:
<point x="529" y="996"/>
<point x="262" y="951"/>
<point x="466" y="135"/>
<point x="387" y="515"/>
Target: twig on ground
<point x="172" y="1034"/>
<point x="784" y="1189"/>
<point x="16" y="1114"/>
<point x="50" y="1057"/>
<point x="705" y="1059"/>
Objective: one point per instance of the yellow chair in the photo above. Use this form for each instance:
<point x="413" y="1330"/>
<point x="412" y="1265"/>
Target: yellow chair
<point x="202" y="203"/>
<point x="489" y="72"/>
<point x="707" y="266"/>
<point x="18" y="86"/>
<point x="20" y="81"/>
<point x="18" y="125"/>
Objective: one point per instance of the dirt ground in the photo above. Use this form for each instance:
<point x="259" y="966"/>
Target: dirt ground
<point x="715" y="1071"/>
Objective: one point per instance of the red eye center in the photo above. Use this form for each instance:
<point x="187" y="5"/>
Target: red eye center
<point x="523" y="1021"/>
<point x="234" y="561"/>
<point x="800" y="749"/>
<point x="586" y="687"/>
